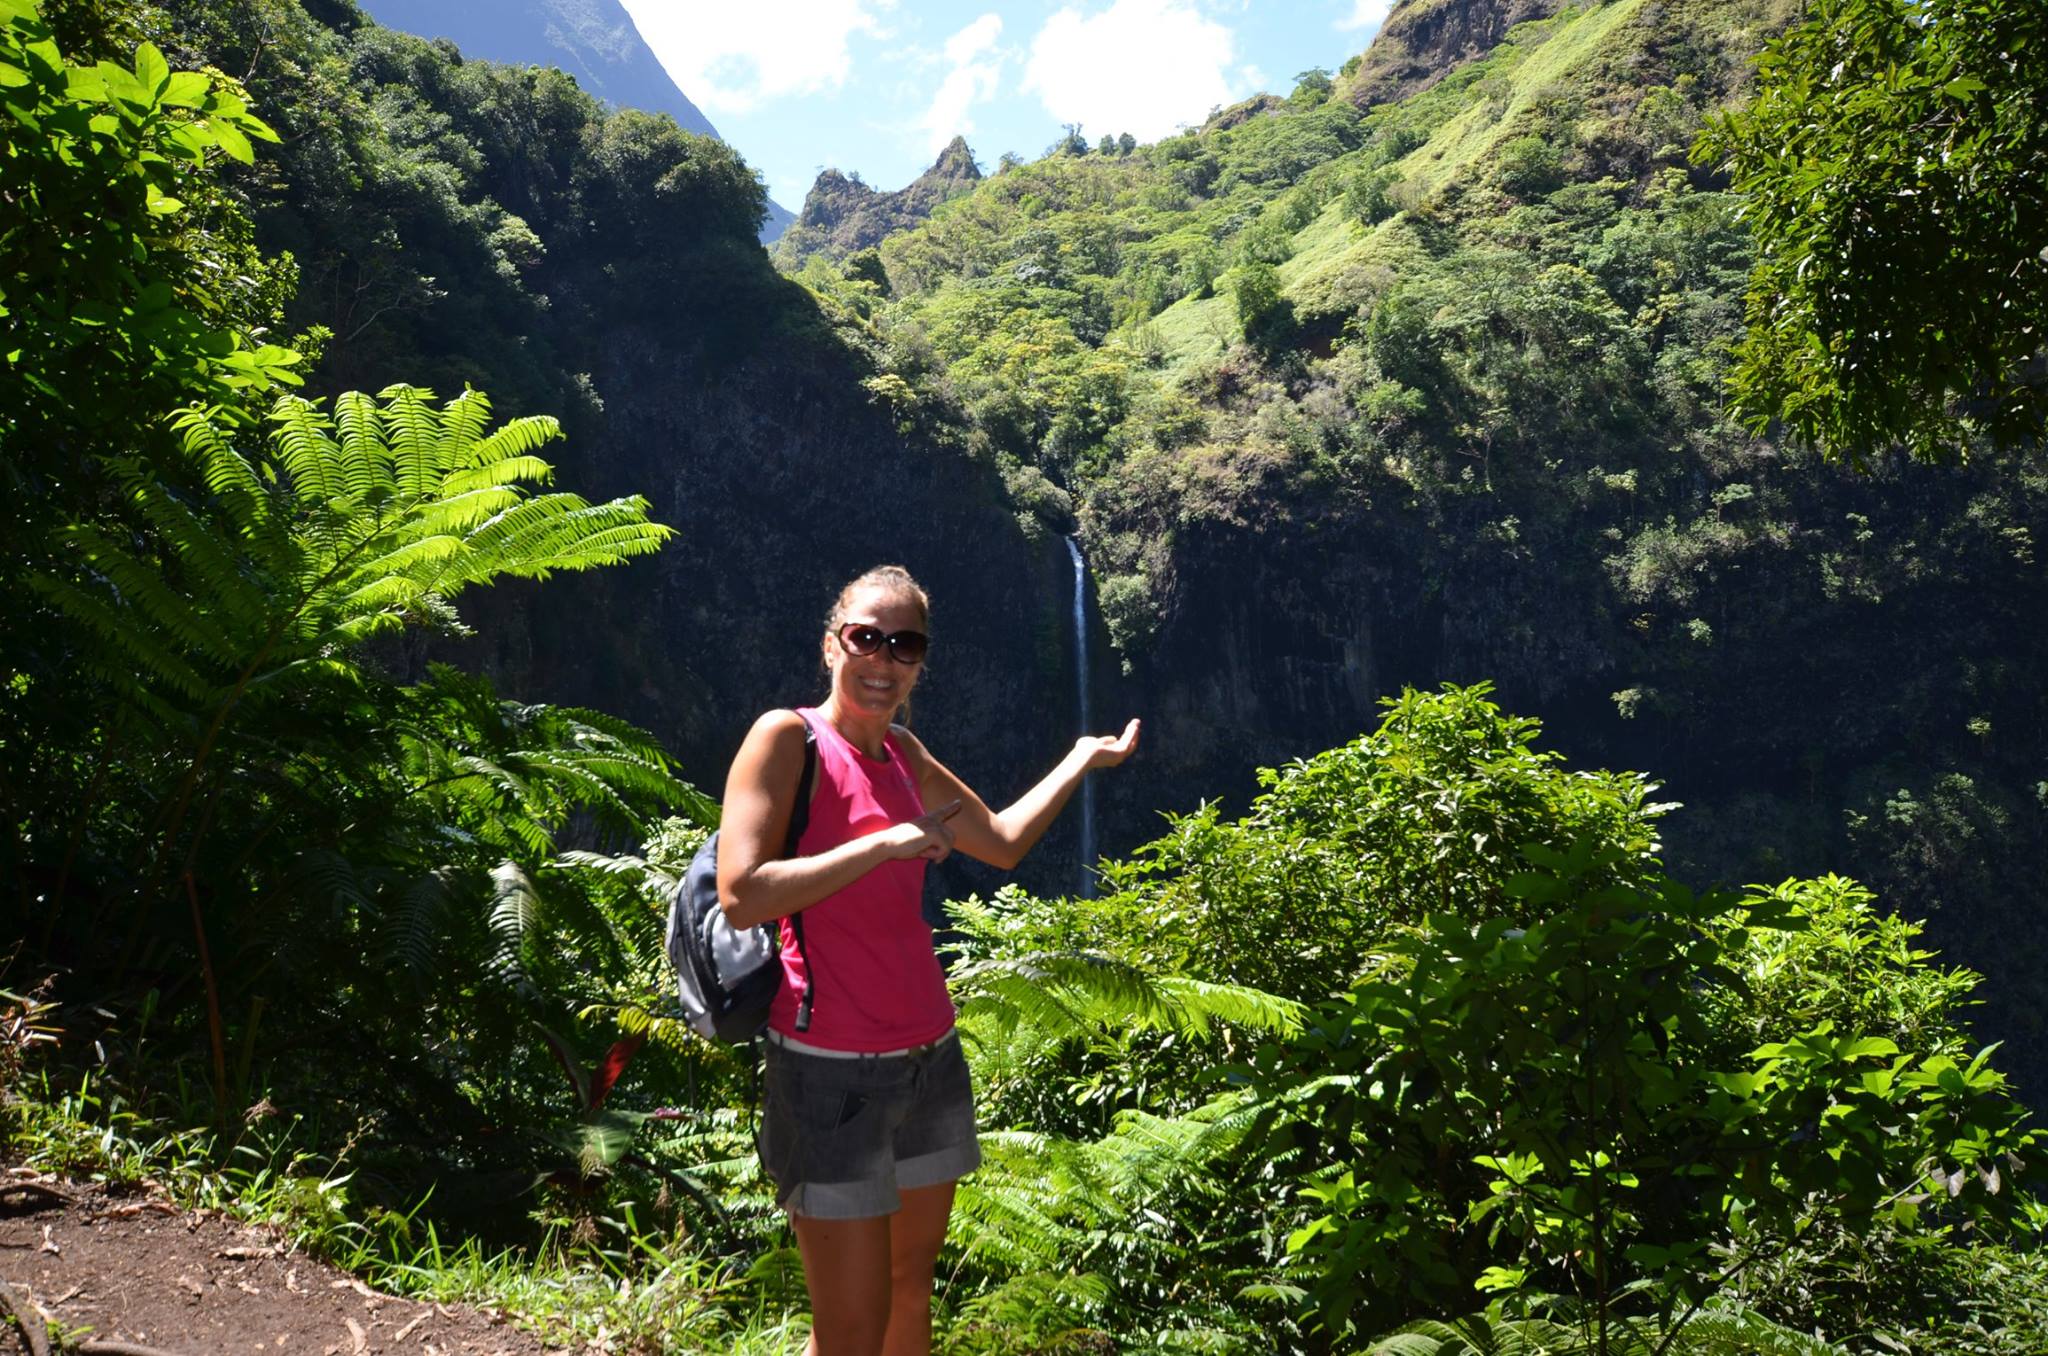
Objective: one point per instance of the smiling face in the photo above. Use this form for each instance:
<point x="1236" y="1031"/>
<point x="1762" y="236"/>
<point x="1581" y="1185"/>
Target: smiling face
<point x="873" y="685"/>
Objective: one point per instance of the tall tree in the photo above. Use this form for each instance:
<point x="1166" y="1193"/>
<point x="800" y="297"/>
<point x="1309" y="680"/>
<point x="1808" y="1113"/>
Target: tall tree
<point x="1896" y="165"/>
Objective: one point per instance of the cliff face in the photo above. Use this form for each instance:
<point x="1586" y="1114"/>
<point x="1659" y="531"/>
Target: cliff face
<point x="841" y="214"/>
<point x="1423" y="41"/>
<point x="782" y="483"/>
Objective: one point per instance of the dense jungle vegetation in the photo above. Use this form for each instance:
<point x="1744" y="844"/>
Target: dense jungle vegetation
<point x="1437" y="388"/>
<point x="1434" y="1047"/>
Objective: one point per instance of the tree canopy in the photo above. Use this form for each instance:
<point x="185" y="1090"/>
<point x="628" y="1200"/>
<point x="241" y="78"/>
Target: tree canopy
<point x="1895" y="161"/>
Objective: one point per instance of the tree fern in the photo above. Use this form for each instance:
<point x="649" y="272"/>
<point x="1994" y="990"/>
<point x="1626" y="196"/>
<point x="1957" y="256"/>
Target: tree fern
<point x="1712" y="1332"/>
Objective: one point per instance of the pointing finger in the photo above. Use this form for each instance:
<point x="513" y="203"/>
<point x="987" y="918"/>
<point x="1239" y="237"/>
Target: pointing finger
<point x="945" y="812"/>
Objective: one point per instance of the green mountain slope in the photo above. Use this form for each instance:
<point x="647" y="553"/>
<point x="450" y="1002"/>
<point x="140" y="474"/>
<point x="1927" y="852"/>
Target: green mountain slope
<point x="1344" y="397"/>
<point x="1339" y="398"/>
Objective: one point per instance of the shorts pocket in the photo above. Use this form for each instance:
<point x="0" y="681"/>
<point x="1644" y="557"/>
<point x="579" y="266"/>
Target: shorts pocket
<point x="824" y="1100"/>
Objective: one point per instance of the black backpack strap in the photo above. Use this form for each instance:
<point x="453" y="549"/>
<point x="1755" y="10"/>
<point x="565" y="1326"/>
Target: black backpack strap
<point x="799" y="819"/>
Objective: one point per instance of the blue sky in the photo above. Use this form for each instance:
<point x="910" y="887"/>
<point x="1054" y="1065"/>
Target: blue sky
<point x="878" y="86"/>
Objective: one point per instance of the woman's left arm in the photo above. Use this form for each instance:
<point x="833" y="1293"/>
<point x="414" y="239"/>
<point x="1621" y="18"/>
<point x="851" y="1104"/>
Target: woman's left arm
<point x="1002" y="837"/>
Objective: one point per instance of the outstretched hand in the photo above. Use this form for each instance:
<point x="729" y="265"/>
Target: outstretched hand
<point x="1109" y="750"/>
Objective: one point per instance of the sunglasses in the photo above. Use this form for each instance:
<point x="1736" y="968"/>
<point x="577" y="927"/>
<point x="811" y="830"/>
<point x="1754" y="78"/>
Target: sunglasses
<point x="905" y="647"/>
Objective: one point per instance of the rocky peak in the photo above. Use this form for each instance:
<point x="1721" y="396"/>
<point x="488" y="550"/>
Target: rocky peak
<point x="1423" y="41"/>
<point x="842" y="214"/>
<point x="832" y="199"/>
<point x="954" y="165"/>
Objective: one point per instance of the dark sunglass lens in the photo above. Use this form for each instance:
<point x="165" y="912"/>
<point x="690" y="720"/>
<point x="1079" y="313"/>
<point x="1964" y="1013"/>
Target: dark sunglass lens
<point x="861" y="640"/>
<point x="907" y="647"/>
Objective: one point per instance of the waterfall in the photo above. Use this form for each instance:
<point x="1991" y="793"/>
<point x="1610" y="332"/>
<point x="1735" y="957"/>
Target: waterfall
<point x="1081" y="693"/>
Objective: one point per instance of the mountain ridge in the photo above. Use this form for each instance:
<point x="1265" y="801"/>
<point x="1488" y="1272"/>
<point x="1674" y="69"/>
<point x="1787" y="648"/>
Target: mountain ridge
<point x="842" y="214"/>
<point x="594" y="41"/>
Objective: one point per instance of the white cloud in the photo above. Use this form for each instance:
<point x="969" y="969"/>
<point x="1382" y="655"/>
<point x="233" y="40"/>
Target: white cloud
<point x="729" y="57"/>
<point x="971" y="41"/>
<point x="976" y="68"/>
<point x="1139" y="66"/>
<point x="1366" y="14"/>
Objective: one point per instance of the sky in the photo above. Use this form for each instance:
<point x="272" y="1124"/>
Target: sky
<point x="877" y="87"/>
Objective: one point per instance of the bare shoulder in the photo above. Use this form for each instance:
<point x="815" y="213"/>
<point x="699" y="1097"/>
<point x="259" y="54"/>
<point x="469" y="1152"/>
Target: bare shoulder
<point x="779" y="721"/>
<point x="777" y="734"/>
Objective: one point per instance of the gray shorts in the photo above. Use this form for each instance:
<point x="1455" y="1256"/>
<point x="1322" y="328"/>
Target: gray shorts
<point x="840" y="1138"/>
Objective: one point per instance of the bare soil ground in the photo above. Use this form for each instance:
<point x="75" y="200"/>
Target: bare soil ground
<point x="136" y="1269"/>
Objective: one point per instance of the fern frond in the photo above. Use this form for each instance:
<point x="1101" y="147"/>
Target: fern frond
<point x="466" y="511"/>
<point x="1067" y="993"/>
<point x="633" y="868"/>
<point x="1202" y="1002"/>
<point x="413" y="432"/>
<point x="368" y="461"/>
<point x="1745" y="1333"/>
<point x="410" y="934"/>
<point x="575" y="915"/>
<point x="1477" y="1336"/>
<point x="112" y="624"/>
<point x="672" y="1033"/>
<point x="509" y="471"/>
<point x="561" y="532"/>
<point x="120" y="680"/>
<point x="380" y="595"/>
<point x="626" y="774"/>
<point x="1003" y="1223"/>
<point x="586" y="792"/>
<point x="314" y="461"/>
<point x="143" y="588"/>
<point x="513" y="912"/>
<point x="323" y="874"/>
<point x="415" y="558"/>
<point x="360" y="630"/>
<point x="494" y="773"/>
<point x="611" y="545"/>
<point x="516" y="438"/>
<point x="1009" y="995"/>
<point x="590" y="725"/>
<point x="463" y="421"/>
<point x="227" y="472"/>
<point x="217" y="566"/>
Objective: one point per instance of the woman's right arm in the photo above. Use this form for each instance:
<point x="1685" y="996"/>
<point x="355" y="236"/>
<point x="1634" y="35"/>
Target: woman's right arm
<point x="755" y="883"/>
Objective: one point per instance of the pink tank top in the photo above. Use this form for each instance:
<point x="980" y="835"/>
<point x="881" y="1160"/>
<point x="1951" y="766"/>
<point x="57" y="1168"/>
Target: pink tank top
<point x="879" y="982"/>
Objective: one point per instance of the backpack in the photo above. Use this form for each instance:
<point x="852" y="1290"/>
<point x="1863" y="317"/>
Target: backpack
<point x="728" y="976"/>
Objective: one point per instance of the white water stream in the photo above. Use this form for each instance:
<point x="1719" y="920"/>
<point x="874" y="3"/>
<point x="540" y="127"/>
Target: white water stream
<point x="1081" y="694"/>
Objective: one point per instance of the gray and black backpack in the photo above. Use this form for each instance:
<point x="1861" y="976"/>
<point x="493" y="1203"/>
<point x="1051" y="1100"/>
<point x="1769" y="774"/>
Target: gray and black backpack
<point x="728" y="976"/>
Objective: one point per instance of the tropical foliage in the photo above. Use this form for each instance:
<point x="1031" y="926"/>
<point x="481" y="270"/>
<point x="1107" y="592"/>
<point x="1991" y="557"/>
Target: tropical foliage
<point x="1895" y="169"/>
<point x="1383" y="390"/>
<point x="1428" y="1051"/>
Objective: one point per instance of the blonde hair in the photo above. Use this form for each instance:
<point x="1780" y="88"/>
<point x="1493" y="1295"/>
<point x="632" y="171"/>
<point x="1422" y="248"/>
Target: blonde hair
<point x="893" y="579"/>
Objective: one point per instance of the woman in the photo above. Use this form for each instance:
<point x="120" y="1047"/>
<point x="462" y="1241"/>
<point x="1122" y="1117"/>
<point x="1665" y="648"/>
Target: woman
<point x="868" y="1118"/>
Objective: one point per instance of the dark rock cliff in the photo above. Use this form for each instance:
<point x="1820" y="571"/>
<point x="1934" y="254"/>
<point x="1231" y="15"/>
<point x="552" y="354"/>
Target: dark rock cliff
<point x="782" y="483"/>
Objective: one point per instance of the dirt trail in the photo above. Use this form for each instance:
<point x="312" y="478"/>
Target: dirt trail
<point x="135" y="1269"/>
